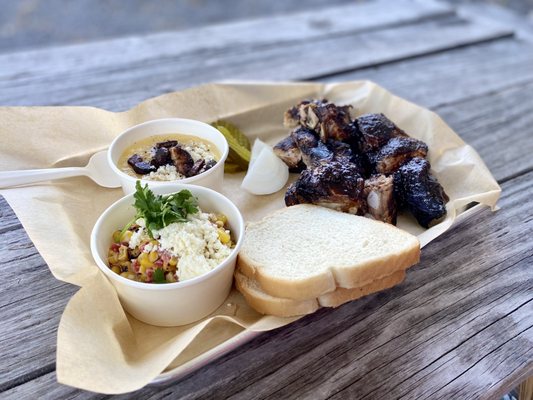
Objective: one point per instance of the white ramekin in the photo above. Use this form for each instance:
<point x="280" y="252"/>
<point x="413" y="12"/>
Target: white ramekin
<point x="212" y="178"/>
<point x="170" y="304"/>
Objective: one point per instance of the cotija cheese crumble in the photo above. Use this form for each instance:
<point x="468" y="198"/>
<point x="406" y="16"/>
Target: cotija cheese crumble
<point x="177" y="252"/>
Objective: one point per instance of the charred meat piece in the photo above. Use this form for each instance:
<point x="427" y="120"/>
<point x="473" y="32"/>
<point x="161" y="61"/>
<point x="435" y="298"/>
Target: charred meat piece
<point x="335" y="185"/>
<point x="139" y="165"/>
<point x="379" y="195"/>
<point x="314" y="152"/>
<point x="182" y="160"/>
<point x="375" y="130"/>
<point x="396" y="152"/>
<point x="291" y="119"/>
<point x="289" y="153"/>
<point x="327" y="119"/>
<point x="420" y="192"/>
<point x="197" y="167"/>
<point x="209" y="164"/>
<point x="342" y="152"/>
<point x="334" y="121"/>
<point x="161" y="157"/>
<point x="167" y="144"/>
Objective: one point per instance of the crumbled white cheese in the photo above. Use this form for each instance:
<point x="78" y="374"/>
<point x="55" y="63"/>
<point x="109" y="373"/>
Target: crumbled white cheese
<point x="164" y="173"/>
<point x="149" y="247"/>
<point x="199" y="150"/>
<point x="195" y="244"/>
<point x="138" y="236"/>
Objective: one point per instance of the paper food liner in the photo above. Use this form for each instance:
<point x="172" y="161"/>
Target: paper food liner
<point x="102" y="349"/>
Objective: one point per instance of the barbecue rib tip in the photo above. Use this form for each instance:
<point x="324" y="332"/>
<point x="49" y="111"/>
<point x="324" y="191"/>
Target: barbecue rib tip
<point x="314" y="152"/>
<point x="379" y="195"/>
<point x="396" y="152"/>
<point x="334" y="185"/>
<point x="327" y="119"/>
<point x="290" y="154"/>
<point x="420" y="192"/>
<point x="375" y="130"/>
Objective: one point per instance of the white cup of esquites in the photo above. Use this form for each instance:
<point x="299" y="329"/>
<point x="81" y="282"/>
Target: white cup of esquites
<point x="184" y="270"/>
<point x="169" y="150"/>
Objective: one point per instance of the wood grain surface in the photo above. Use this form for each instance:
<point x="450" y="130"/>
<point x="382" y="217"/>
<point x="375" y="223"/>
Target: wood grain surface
<point x="459" y="326"/>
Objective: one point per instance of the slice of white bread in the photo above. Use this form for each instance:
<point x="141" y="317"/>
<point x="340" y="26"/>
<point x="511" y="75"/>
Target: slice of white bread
<point x="304" y="251"/>
<point x="283" y="307"/>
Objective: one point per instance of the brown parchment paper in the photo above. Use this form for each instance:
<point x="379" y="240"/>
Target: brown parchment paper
<point x="102" y="349"/>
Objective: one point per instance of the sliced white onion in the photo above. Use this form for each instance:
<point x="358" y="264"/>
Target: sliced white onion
<point x="256" y="149"/>
<point x="266" y="172"/>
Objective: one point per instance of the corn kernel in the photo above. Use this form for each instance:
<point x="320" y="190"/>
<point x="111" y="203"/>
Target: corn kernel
<point x="126" y="236"/>
<point x="222" y="218"/>
<point x="116" y="270"/>
<point x="130" y="267"/>
<point x="145" y="262"/>
<point x="116" y="236"/>
<point x="142" y="269"/>
<point x="123" y="253"/>
<point x="223" y="236"/>
<point x="173" y="262"/>
<point x="153" y="256"/>
<point x="113" y="259"/>
<point x="125" y="274"/>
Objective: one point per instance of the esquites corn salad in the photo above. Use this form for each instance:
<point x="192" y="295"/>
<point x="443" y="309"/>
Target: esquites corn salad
<point x="156" y="248"/>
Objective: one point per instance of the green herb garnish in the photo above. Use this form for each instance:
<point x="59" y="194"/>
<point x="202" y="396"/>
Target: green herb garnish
<point x="159" y="211"/>
<point x="159" y="276"/>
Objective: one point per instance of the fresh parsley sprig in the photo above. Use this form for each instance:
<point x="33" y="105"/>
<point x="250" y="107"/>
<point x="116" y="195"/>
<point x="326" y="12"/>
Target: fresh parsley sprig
<point x="159" y="211"/>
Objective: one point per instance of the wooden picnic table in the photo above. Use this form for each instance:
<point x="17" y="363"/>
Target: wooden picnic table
<point x="460" y="326"/>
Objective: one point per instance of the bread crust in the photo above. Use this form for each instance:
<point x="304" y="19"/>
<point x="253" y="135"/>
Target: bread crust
<point x="329" y="280"/>
<point x="266" y="304"/>
<point x="284" y="307"/>
<point x="342" y="295"/>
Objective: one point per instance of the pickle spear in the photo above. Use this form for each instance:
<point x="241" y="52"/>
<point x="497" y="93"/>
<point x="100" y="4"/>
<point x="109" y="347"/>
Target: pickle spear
<point x="239" y="147"/>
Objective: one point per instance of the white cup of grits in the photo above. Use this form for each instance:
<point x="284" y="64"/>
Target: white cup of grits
<point x="187" y="132"/>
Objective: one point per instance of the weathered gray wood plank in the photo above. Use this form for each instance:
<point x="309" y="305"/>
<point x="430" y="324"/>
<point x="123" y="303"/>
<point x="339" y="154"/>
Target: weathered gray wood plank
<point x="123" y="80"/>
<point x="46" y="387"/>
<point x="459" y="324"/>
<point x="31" y="303"/>
<point x="8" y="219"/>
<point x="498" y="127"/>
<point x="301" y="24"/>
<point x="447" y="77"/>
<point x="495" y="12"/>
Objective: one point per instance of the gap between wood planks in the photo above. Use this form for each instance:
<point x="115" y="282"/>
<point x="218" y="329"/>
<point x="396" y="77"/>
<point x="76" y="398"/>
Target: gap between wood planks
<point x="161" y="70"/>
